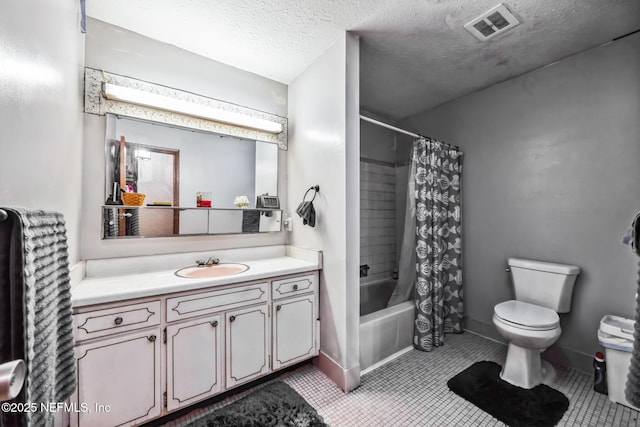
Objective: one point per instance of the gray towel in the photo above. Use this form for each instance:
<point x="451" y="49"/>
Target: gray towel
<point x="250" y="221"/>
<point x="48" y="347"/>
<point x="111" y="223"/>
<point x="307" y="212"/>
<point x="133" y="222"/>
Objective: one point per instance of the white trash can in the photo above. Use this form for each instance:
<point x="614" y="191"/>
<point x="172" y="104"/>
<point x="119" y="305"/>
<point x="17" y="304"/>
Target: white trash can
<point x="616" y="336"/>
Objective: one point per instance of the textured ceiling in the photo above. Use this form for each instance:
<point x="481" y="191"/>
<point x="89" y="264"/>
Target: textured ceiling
<point x="415" y="54"/>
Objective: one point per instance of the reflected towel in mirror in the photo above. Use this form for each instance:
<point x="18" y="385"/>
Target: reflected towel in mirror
<point x="632" y="238"/>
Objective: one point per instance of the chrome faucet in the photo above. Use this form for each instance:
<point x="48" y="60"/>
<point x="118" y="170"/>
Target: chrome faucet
<point x="208" y="263"/>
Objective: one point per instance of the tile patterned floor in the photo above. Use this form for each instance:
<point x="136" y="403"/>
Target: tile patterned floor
<point x="411" y="391"/>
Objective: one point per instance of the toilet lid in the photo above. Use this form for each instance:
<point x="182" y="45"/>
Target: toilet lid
<point x="527" y="315"/>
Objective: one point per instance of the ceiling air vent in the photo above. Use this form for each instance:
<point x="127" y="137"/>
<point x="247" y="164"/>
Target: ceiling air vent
<point x="491" y="23"/>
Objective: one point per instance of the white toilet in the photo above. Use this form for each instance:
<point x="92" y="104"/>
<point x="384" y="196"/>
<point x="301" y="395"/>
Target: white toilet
<point x="530" y="322"/>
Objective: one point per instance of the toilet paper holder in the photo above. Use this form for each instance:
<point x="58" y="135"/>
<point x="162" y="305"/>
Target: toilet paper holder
<point x="11" y="379"/>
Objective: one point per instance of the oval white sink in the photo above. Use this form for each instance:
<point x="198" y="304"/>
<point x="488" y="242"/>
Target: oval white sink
<point x="218" y="270"/>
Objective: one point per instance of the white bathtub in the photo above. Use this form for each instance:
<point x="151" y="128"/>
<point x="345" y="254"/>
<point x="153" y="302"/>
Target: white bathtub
<point x="384" y="332"/>
<point x="374" y="296"/>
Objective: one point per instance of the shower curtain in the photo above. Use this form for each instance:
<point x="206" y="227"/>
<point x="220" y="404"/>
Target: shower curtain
<point x="435" y="172"/>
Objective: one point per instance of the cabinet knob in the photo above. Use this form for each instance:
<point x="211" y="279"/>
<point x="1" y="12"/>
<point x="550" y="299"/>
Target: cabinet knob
<point x="151" y="338"/>
<point x="214" y="323"/>
<point x="118" y="320"/>
<point x="232" y="318"/>
<point x="295" y="287"/>
<point x="278" y="307"/>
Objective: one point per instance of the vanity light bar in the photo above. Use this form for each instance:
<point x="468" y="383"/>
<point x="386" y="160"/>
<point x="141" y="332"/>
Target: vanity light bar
<point x="146" y="99"/>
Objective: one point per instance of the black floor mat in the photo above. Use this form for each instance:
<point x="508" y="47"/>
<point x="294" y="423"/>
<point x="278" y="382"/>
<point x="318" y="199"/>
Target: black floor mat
<point x="481" y="385"/>
<point x="275" y="404"/>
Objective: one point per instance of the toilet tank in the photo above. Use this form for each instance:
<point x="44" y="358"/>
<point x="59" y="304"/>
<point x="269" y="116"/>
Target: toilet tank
<point x="544" y="283"/>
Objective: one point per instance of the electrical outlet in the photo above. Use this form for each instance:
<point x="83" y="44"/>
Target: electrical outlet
<point x="287" y="221"/>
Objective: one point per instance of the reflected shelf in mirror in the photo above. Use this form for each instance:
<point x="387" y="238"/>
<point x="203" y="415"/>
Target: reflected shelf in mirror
<point x="174" y="169"/>
<point x="123" y="221"/>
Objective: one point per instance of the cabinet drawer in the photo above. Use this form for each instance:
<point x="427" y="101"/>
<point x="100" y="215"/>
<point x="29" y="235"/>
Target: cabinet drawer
<point x="99" y="323"/>
<point x="186" y="306"/>
<point x="293" y="286"/>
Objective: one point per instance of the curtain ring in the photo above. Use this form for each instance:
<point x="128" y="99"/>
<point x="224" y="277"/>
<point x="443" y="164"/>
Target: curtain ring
<point x="316" y="188"/>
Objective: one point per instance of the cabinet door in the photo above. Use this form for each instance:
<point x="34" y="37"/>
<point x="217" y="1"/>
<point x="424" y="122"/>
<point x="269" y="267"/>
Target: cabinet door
<point x="294" y="326"/>
<point x="247" y="344"/>
<point x="118" y="380"/>
<point x="193" y="361"/>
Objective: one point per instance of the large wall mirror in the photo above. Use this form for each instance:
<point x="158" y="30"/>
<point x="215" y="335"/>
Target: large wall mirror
<point x="172" y="167"/>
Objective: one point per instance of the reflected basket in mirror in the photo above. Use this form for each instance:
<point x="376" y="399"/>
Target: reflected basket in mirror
<point x="133" y="199"/>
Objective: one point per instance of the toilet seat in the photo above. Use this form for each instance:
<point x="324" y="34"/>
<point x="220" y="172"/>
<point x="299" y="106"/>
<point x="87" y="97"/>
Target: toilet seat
<point x="526" y="316"/>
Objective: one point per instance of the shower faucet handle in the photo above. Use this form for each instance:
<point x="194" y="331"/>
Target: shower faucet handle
<point x="364" y="270"/>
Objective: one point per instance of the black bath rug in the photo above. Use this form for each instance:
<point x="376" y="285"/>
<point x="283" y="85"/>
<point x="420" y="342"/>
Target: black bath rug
<point x="481" y="385"/>
<point x="275" y="404"/>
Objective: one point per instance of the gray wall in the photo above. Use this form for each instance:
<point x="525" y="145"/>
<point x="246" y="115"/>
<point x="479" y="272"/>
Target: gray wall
<point x="42" y="54"/>
<point x="377" y="143"/>
<point x="119" y="51"/>
<point x="551" y="172"/>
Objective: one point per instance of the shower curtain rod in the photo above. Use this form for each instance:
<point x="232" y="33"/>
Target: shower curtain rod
<point x="406" y="132"/>
<point x="384" y="125"/>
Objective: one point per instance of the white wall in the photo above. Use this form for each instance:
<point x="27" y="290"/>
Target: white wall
<point x="41" y="59"/>
<point x="551" y="172"/>
<point x="324" y="146"/>
<point x="124" y="52"/>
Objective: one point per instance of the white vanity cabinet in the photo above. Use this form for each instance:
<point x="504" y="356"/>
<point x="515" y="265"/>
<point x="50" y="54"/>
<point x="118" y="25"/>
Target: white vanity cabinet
<point x="294" y="320"/>
<point x="194" y="360"/>
<point x="118" y="380"/>
<point x="247" y="344"/>
<point x="150" y="356"/>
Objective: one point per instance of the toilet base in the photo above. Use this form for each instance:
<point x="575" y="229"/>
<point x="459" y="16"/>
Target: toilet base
<point x="523" y="367"/>
<point x="548" y="372"/>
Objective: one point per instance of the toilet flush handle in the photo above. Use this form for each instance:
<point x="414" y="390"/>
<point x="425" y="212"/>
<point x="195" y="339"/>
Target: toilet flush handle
<point x="507" y="269"/>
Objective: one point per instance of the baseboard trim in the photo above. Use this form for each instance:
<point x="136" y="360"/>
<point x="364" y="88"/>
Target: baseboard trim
<point x="387" y="360"/>
<point x="555" y="354"/>
<point x="346" y="379"/>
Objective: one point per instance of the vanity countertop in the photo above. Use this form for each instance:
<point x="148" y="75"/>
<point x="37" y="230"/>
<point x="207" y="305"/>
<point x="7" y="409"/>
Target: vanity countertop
<point x="99" y="290"/>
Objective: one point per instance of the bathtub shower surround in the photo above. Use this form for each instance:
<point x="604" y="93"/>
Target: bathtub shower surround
<point x="439" y="296"/>
<point x="377" y="220"/>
